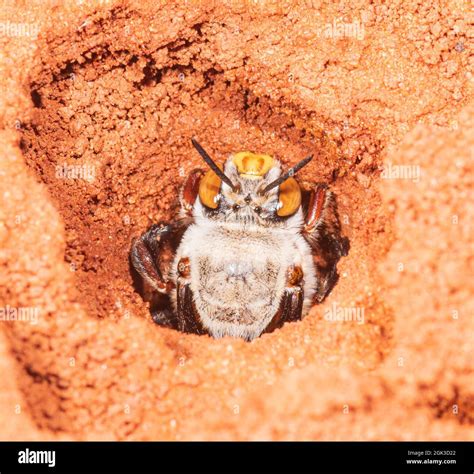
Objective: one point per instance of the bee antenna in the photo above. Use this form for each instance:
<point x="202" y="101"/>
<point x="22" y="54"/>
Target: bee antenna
<point x="289" y="174"/>
<point x="212" y="164"/>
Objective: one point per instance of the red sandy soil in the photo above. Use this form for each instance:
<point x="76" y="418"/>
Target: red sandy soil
<point x="121" y="87"/>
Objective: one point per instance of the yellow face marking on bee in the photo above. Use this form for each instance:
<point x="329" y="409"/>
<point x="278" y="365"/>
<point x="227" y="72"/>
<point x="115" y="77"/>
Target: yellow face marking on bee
<point x="252" y="165"/>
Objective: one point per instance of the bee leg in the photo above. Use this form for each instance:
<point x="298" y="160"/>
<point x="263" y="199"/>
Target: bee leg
<point x="190" y="191"/>
<point x="148" y="251"/>
<point x="187" y="318"/>
<point x="144" y="256"/>
<point x="163" y="317"/>
<point x="291" y="304"/>
<point x="322" y="230"/>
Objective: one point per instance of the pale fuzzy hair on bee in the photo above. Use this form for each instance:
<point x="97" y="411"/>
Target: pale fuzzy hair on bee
<point x="239" y="260"/>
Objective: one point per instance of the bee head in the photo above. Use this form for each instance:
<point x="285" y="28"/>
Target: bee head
<point x="249" y="188"/>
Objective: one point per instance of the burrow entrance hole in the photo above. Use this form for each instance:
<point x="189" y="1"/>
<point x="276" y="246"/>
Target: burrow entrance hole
<point x="110" y="138"/>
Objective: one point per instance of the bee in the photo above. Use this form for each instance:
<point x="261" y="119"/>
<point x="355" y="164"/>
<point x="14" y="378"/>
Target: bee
<point x="250" y="249"/>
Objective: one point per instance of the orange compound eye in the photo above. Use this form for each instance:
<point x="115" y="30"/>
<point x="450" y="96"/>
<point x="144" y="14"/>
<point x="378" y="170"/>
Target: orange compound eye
<point x="209" y="188"/>
<point x="290" y="197"/>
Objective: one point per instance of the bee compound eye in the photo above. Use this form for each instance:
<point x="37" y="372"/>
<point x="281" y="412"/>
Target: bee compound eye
<point x="235" y="207"/>
<point x="258" y="209"/>
<point x="209" y="189"/>
<point x="290" y="198"/>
